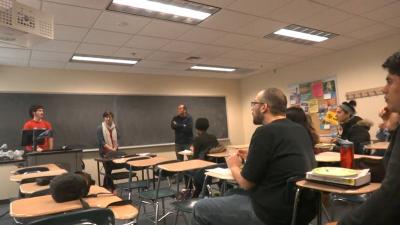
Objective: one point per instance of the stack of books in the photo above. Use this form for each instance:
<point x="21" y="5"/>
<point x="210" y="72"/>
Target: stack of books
<point x="340" y="176"/>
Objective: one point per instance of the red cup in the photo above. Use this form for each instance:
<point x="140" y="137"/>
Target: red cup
<point x="346" y="155"/>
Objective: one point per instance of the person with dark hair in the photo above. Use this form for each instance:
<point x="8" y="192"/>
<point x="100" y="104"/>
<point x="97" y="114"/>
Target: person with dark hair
<point x="279" y="149"/>
<point x="353" y="128"/>
<point x="107" y="137"/>
<point x="36" y="113"/>
<point x="382" y="207"/>
<point x="201" y="145"/>
<point x="297" y="115"/>
<point x="182" y="124"/>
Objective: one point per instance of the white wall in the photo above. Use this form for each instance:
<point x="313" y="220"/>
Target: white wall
<point x="355" y="69"/>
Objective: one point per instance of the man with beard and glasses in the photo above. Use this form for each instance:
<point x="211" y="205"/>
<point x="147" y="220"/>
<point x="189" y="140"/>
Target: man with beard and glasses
<point x="279" y="149"/>
<point x="384" y="204"/>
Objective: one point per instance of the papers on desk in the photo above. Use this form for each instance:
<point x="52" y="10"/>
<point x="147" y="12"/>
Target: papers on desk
<point x="224" y="172"/>
<point x="186" y="152"/>
<point x="340" y="176"/>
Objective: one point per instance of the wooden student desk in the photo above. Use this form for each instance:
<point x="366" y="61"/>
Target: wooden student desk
<point x="30" y="188"/>
<point x="378" y="146"/>
<point x="330" y="157"/>
<point x="48" y="166"/>
<point x="186" y="165"/>
<point x="45" y="205"/>
<point x="333" y="189"/>
<point x="20" y="177"/>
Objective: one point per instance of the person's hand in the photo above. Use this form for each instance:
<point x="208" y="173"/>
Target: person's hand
<point x="384" y="113"/>
<point x="243" y="153"/>
<point x="234" y="161"/>
<point x="382" y="126"/>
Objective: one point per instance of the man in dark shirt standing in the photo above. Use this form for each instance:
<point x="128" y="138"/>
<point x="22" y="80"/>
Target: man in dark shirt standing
<point x="384" y="204"/>
<point x="183" y="126"/>
<point x="279" y="149"/>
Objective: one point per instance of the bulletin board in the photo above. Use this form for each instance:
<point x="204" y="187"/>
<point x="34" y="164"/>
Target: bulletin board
<point x="318" y="99"/>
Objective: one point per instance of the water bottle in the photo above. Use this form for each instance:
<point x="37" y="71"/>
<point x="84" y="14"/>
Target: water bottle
<point x="346" y="154"/>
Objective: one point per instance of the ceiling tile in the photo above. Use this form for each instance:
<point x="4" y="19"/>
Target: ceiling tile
<point x="94" y="4"/>
<point x="261" y="27"/>
<point x="155" y="71"/>
<point x="325" y="19"/>
<point x="143" y="42"/>
<point x="132" y="53"/>
<point x="328" y="2"/>
<point x="339" y="42"/>
<point x="263" y="44"/>
<point x="296" y="11"/>
<point x="167" y="56"/>
<point x="387" y="12"/>
<point x="69" y="33"/>
<point x="350" y="25"/>
<point x="202" y="35"/>
<point x="14" y="53"/>
<point x="93" y="49"/>
<point x="7" y="45"/>
<point x="234" y="40"/>
<point x="238" y="63"/>
<point x="362" y="6"/>
<point x="31" y="3"/>
<point x="13" y="61"/>
<point x="106" y="37"/>
<point x="216" y="3"/>
<point x="286" y="47"/>
<point x="227" y="20"/>
<point x="180" y="46"/>
<point x="310" y="51"/>
<point x="121" y="22"/>
<point x="50" y="56"/>
<point x="165" y="29"/>
<point x="394" y="22"/>
<point x="47" y="64"/>
<point x="71" y="15"/>
<point x="208" y="51"/>
<point x="370" y="31"/>
<point x="57" y="46"/>
<point x="261" y="8"/>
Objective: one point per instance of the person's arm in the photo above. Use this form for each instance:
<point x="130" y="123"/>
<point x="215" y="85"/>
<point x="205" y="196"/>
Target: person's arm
<point x="102" y="142"/>
<point x="174" y="124"/>
<point x="234" y="163"/>
<point x="188" y="125"/>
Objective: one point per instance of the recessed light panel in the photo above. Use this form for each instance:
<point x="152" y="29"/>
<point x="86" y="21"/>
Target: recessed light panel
<point x="301" y="35"/>
<point x="103" y="60"/>
<point x="213" y="68"/>
<point x="174" y="10"/>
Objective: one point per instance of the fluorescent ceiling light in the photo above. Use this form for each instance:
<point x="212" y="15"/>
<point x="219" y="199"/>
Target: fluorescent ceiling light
<point x="213" y="68"/>
<point x="102" y="59"/>
<point x="300" y="35"/>
<point x="164" y="8"/>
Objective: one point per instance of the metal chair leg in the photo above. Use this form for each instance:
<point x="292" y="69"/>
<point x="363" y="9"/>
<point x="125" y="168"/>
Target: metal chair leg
<point x="296" y="203"/>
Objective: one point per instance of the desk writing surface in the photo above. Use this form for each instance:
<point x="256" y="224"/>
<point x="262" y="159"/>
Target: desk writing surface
<point x="29" y="188"/>
<point x="220" y="154"/>
<point x="378" y="146"/>
<point x="148" y="162"/>
<point x="339" y="190"/>
<point x="124" y="159"/>
<point x="50" y="166"/>
<point x="19" y="177"/>
<point x="124" y="212"/>
<point x="186" y="165"/>
<point x="223" y="176"/>
<point x="335" y="157"/>
<point x="45" y="205"/>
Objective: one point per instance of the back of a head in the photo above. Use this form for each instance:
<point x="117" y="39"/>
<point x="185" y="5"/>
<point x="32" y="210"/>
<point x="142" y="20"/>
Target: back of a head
<point x="297" y="115"/>
<point x="68" y="187"/>
<point x="202" y="124"/>
<point x="392" y="64"/>
<point x="276" y="100"/>
<point x="349" y="107"/>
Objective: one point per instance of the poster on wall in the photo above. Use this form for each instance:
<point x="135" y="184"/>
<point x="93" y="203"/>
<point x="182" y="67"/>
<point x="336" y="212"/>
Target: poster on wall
<point x="318" y="99"/>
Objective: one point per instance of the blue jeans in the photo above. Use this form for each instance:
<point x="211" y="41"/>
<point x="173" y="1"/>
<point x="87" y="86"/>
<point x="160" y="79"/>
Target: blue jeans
<point x="235" y="209"/>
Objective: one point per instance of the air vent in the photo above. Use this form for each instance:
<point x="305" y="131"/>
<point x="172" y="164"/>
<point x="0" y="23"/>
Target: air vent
<point x="300" y="35"/>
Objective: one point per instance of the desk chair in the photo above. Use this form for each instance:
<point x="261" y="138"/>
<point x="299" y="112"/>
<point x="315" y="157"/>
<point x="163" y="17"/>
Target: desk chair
<point x="97" y="216"/>
<point x="154" y="196"/>
<point x="186" y="206"/>
<point x="304" y="205"/>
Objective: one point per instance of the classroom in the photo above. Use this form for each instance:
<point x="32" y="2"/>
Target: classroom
<point x="238" y="34"/>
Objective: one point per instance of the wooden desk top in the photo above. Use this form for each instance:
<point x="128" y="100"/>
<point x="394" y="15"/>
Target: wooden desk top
<point x="186" y="165"/>
<point x="335" y="157"/>
<point x="19" y="177"/>
<point x="339" y="190"/>
<point x="378" y="146"/>
<point x="30" y="188"/>
<point x="185" y="152"/>
<point x="148" y="162"/>
<point x="238" y="146"/>
<point x="125" y="159"/>
<point x="48" y="166"/>
<point x="223" y="176"/>
<point x="221" y="154"/>
<point x="45" y="205"/>
<point x="124" y="212"/>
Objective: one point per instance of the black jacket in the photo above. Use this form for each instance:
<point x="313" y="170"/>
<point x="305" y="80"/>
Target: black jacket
<point x="382" y="208"/>
<point x="356" y="130"/>
<point x="183" y="127"/>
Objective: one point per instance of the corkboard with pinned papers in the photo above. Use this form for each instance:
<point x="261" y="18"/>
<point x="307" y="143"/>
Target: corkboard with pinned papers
<point x="318" y="99"/>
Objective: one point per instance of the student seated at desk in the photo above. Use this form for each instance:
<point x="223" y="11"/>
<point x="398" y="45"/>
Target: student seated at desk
<point x="390" y="123"/>
<point x="384" y="204"/>
<point x="201" y="145"/>
<point x="297" y="115"/>
<point x="279" y="149"/>
<point x="36" y="112"/>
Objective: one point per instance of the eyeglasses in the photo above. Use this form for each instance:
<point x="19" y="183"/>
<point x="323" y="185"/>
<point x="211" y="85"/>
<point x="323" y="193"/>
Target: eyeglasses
<point x="256" y="103"/>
